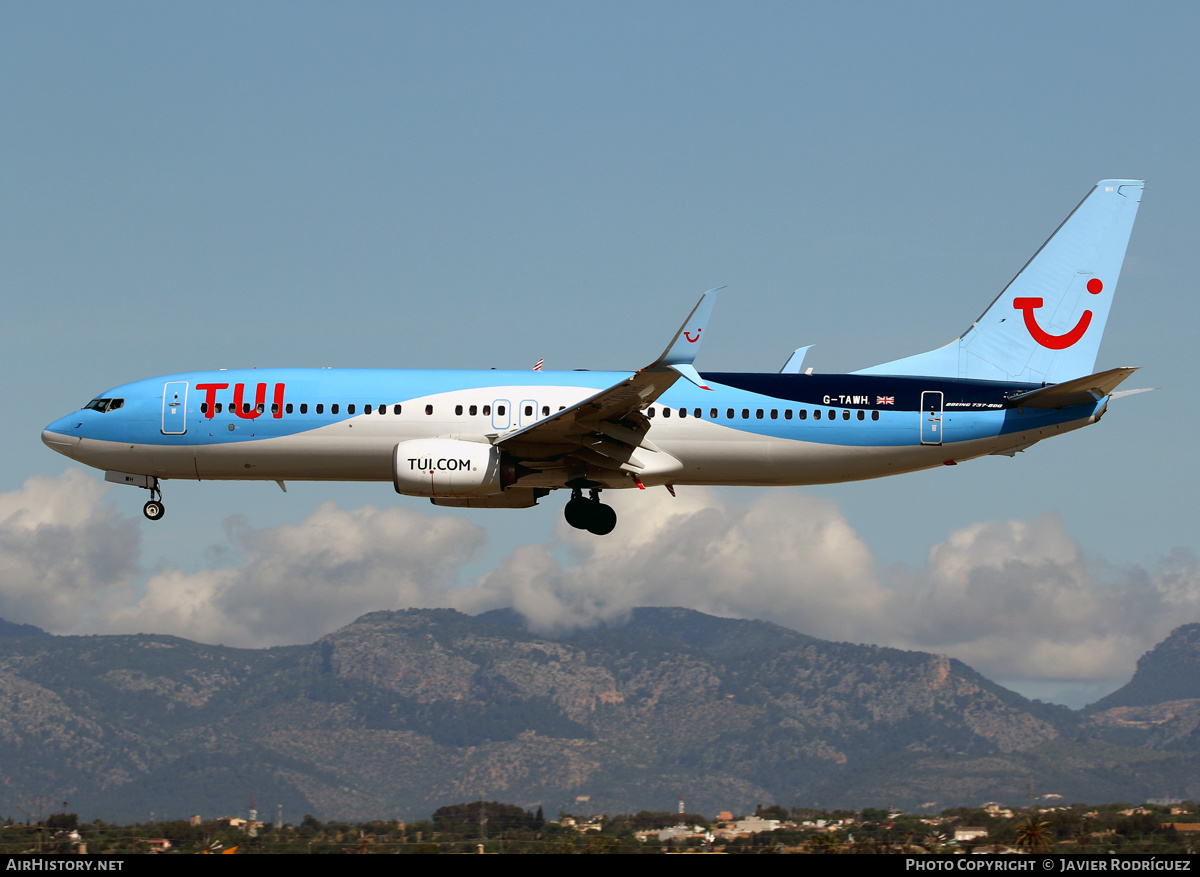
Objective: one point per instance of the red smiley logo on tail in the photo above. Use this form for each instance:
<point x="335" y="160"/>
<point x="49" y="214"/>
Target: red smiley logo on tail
<point x="1056" y="342"/>
<point x="691" y="340"/>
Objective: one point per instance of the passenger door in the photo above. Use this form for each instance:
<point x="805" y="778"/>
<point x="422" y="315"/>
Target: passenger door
<point x="931" y="417"/>
<point x="174" y="412"/>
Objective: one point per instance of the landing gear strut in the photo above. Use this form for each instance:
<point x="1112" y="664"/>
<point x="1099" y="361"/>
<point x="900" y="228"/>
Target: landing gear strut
<point x="589" y="514"/>
<point x="154" y="509"/>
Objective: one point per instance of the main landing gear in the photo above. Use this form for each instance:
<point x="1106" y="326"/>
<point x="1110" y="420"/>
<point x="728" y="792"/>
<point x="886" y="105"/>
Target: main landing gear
<point x="154" y="509"/>
<point x="589" y="514"/>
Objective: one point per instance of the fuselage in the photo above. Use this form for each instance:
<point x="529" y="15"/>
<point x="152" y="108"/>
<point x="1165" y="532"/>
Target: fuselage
<point x="505" y="439"/>
<point x="748" y="429"/>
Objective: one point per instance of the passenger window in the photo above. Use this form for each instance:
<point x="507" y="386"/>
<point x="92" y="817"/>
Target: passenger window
<point x="874" y="415"/>
<point x="832" y="414"/>
<point x="802" y="414"/>
<point x="529" y="411"/>
<point x="458" y="410"/>
<point x="366" y="409"/>
<point x="395" y="409"/>
<point x="683" y="412"/>
<point x="545" y="411"/>
<point x="333" y="409"/>
<point x="759" y="414"/>
<point x="650" y="411"/>
<point x="473" y="410"/>
<point x="487" y="410"/>
<point x="203" y="407"/>
<point x="729" y="413"/>
<point x="429" y="409"/>
<point x="382" y="409"/>
<point x="350" y="408"/>
<point x="787" y="413"/>
<point x="288" y="408"/>
<point x="274" y="407"/>
<point x="774" y="413"/>
<point x="862" y="415"/>
<point x="320" y="407"/>
<point x="712" y="413"/>
<point x="218" y="407"/>
<point x="303" y="407"/>
<point x="845" y="415"/>
<point x="697" y="413"/>
<point x="816" y="414"/>
<point x="259" y="407"/>
<point x="499" y="410"/>
<point x="666" y="412"/>
<point x="745" y="414"/>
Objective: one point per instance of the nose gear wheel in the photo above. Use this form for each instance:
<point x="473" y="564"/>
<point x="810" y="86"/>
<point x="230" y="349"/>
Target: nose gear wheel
<point x="154" y="509"/>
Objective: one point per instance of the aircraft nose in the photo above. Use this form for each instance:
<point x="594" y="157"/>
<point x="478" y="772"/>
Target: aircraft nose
<point x="59" y="436"/>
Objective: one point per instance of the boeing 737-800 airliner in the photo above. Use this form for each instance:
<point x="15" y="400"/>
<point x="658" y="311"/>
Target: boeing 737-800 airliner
<point x="504" y="439"/>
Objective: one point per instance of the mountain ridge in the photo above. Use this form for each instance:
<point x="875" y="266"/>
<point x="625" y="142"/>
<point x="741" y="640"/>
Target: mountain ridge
<point x="402" y="711"/>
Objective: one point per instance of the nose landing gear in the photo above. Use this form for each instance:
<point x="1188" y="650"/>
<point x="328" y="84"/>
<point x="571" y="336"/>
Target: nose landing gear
<point x="589" y="514"/>
<point x="154" y="509"/>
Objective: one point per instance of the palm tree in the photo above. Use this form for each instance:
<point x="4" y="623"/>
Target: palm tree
<point x="1033" y="835"/>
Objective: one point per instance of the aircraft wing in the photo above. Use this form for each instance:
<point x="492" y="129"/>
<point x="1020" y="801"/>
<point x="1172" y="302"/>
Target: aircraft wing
<point x="606" y="428"/>
<point x="1080" y="391"/>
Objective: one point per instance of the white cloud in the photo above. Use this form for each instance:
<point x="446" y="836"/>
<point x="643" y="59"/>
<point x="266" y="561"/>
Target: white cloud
<point x="301" y="581"/>
<point x="1014" y="599"/>
<point x="786" y="555"/>
<point x="70" y="563"/>
<point x="62" y="553"/>
<point x="1018" y="599"/>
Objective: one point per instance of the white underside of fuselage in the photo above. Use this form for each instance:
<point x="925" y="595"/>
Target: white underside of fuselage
<point x="698" y="453"/>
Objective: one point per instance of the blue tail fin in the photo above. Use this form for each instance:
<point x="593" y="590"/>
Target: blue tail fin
<point x="1047" y="323"/>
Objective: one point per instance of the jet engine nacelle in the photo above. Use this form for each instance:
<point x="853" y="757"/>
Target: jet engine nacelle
<point x="448" y="467"/>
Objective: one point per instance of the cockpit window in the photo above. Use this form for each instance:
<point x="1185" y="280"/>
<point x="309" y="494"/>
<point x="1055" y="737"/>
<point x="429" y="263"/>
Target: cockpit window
<point x="103" y="405"/>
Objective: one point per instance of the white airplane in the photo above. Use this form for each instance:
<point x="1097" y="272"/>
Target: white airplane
<point x="504" y="439"/>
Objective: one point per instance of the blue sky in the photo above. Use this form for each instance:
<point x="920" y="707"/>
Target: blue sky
<point x="190" y="186"/>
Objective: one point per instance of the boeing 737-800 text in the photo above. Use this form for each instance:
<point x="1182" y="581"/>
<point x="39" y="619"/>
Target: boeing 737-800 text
<point x="504" y="439"/>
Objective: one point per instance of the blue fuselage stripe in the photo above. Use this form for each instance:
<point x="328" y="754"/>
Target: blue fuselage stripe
<point x="970" y="409"/>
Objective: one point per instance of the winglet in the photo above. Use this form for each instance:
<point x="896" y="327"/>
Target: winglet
<point x="689" y="372"/>
<point x="686" y="344"/>
<point x="631" y="394"/>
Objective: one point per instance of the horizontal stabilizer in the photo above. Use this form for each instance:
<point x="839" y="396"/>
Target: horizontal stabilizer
<point x="1121" y="394"/>
<point x="1081" y="391"/>
<point x="795" y="361"/>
